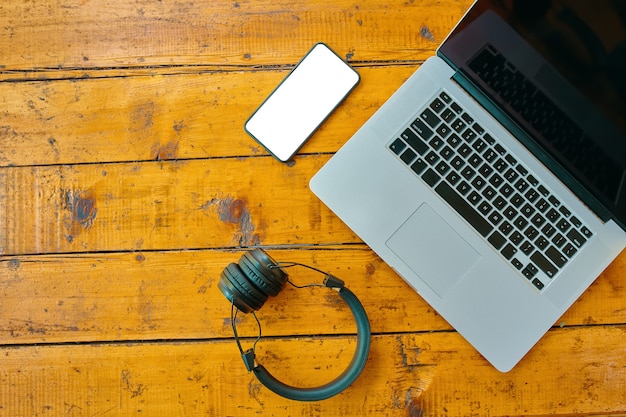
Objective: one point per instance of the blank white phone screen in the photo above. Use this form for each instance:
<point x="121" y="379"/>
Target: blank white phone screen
<point x="300" y="104"/>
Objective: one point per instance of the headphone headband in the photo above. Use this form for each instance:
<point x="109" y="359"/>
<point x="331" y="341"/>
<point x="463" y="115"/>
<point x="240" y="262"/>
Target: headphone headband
<point x="247" y="290"/>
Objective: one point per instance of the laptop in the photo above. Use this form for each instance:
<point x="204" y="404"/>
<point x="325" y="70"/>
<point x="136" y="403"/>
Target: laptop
<point x="493" y="180"/>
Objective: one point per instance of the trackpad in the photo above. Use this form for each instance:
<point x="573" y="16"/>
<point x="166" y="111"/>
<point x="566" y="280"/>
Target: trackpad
<point x="433" y="250"/>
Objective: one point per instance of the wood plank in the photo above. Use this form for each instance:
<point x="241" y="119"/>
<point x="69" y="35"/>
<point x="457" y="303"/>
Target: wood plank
<point x="92" y="34"/>
<point x="185" y="116"/>
<point x="174" y="295"/>
<point x="434" y="374"/>
<point x="164" y="205"/>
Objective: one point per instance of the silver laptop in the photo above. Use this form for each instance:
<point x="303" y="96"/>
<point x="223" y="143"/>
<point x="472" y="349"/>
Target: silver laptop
<point x="493" y="180"/>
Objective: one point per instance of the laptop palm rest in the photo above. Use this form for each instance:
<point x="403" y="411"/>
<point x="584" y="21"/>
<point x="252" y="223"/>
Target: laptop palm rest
<point x="442" y="259"/>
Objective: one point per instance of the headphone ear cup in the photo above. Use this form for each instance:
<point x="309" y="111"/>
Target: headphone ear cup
<point x="238" y="289"/>
<point x="263" y="271"/>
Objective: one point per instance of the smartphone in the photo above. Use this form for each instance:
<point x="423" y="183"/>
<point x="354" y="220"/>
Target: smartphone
<point x="301" y="102"/>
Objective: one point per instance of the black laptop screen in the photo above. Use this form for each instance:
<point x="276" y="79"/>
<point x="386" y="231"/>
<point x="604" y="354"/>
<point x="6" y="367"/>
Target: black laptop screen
<point x="558" y="69"/>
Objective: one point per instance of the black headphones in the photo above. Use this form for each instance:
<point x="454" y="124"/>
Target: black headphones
<point x="256" y="277"/>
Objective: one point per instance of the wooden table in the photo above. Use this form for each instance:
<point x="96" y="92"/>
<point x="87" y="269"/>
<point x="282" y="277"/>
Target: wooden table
<point x="127" y="184"/>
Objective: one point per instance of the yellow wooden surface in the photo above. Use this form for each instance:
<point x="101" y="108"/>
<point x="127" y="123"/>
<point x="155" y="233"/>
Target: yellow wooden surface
<point x="127" y="183"/>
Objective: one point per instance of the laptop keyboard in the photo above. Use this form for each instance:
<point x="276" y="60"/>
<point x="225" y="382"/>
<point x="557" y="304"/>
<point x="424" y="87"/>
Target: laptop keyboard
<point x="496" y="194"/>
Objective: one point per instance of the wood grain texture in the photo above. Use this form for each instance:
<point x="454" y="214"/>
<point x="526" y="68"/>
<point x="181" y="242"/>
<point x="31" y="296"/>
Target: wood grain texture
<point x="163" y="117"/>
<point x="127" y="184"/>
<point x="91" y="33"/>
<point x="434" y="374"/>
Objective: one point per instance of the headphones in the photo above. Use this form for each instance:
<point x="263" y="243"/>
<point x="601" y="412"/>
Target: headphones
<point x="249" y="283"/>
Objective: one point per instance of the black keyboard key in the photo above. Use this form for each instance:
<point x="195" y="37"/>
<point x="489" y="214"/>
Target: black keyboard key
<point x="542" y="205"/>
<point x="563" y="225"/>
<point x="463" y="188"/>
<point x="548" y="230"/>
<point x="469" y="135"/>
<point x="553" y="215"/>
<point x="521" y="185"/>
<point x="500" y="165"/>
<point x="489" y="193"/>
<point x="510" y="212"/>
<point x="448" y="115"/>
<point x="522" y="170"/>
<point x="509" y="158"/>
<point x="506" y="190"/>
<point x="517" y="200"/>
<point x="436" y="143"/>
<point x="530" y="271"/>
<point x="498" y="148"/>
<point x="538" y="284"/>
<point x="443" y="130"/>
<point x="577" y="239"/>
<point x="454" y="141"/>
<point x="414" y="141"/>
<point x="479" y="182"/>
<point x="458" y="125"/>
<point x="485" y="170"/>
<point x="542" y="243"/>
<point x="490" y="155"/>
<point x="457" y="162"/>
<point x="408" y="156"/>
<point x="516" y="237"/>
<point x="397" y="146"/>
<point x="510" y="175"/>
<point x="531" y="233"/>
<point x="543" y="190"/>
<point x="456" y="108"/>
<point x="482" y="226"/>
<point x="527" y="210"/>
<point x="496" y="180"/>
<point x="432" y="158"/>
<point x="556" y="256"/>
<point x="453" y="178"/>
<point x="430" y="177"/>
<point x="520" y="222"/>
<point x="437" y="105"/>
<point x="544" y="264"/>
<point x="479" y="145"/>
<point x="495" y="217"/>
<point x="497" y="240"/>
<point x="505" y="228"/>
<point x="422" y="129"/>
<point x="468" y="173"/>
<point x="499" y="202"/>
<point x="586" y="232"/>
<point x="569" y="250"/>
<point x="555" y="202"/>
<point x="474" y="198"/>
<point x="538" y="220"/>
<point x="442" y="168"/>
<point x="475" y="160"/>
<point x="419" y="166"/>
<point x="490" y="140"/>
<point x="485" y="208"/>
<point x="430" y="118"/>
<point x="445" y="97"/>
<point x="478" y="128"/>
<point x="527" y="247"/>
<point x="468" y="119"/>
<point x="559" y="240"/>
<point x="447" y="153"/>
<point x="464" y="150"/>
<point x="509" y="251"/>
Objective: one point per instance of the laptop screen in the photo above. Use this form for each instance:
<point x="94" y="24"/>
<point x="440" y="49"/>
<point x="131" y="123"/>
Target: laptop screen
<point x="558" y="69"/>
